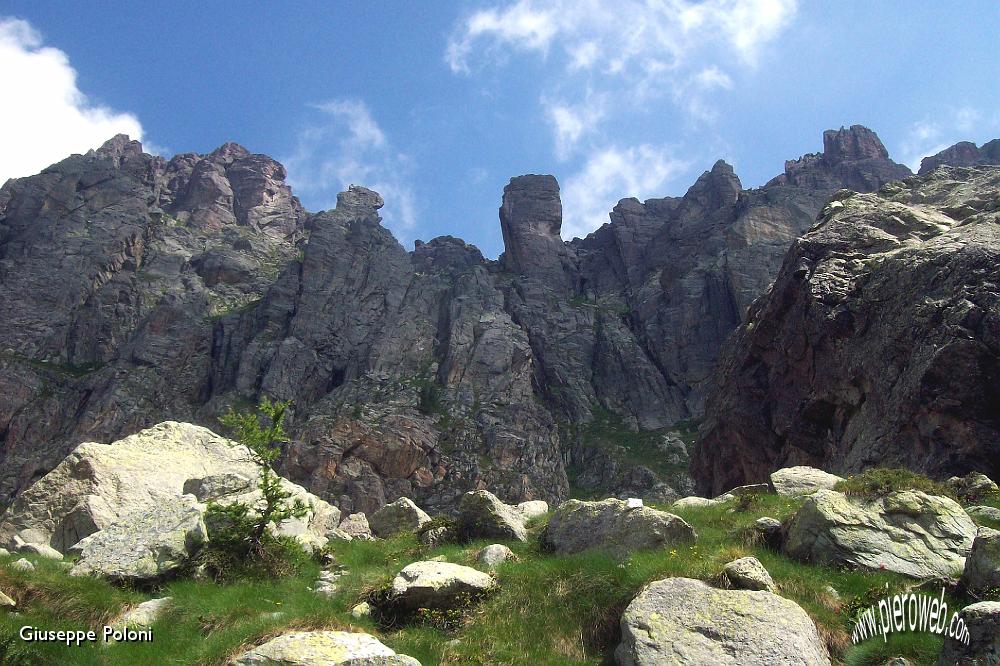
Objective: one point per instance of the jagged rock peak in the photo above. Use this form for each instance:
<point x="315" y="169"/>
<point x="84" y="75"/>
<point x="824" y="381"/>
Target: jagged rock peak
<point x="359" y="200"/>
<point x="716" y="188"/>
<point x="532" y="202"/>
<point x="229" y="152"/>
<point x="119" y="146"/>
<point x="963" y="153"/>
<point x="856" y="143"/>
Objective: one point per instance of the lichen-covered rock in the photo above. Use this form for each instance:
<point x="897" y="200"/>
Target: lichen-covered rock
<point x="146" y="546"/>
<point x="982" y="567"/>
<point x="439" y="585"/>
<point x="144" y="614"/>
<point x="981" y="513"/>
<point x="22" y="565"/>
<point x="685" y="622"/>
<point x="610" y="525"/>
<point x="397" y="517"/>
<point x="983" y="622"/>
<point x="768" y="531"/>
<point x="747" y="573"/>
<point x="41" y="550"/>
<point x="533" y="509"/>
<point x="98" y="484"/>
<point x="493" y="555"/>
<point x="356" y="525"/>
<point x="973" y="486"/>
<point x="481" y="515"/>
<point x="802" y="480"/>
<point x="908" y="532"/>
<point x="323" y="648"/>
<point x="695" y="503"/>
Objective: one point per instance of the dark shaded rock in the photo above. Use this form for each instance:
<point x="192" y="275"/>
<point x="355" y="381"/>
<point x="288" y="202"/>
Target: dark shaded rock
<point x="963" y="154"/>
<point x="877" y="345"/>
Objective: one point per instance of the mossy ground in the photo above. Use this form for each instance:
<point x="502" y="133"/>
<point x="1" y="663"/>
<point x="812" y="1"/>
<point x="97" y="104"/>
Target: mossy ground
<point x="549" y="609"/>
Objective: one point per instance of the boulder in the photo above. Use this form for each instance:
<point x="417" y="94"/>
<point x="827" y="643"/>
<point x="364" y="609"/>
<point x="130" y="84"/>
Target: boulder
<point x="802" y="480"/>
<point x="909" y="532"/>
<point x="981" y="513"/>
<point x="435" y="536"/>
<point x="532" y="509"/>
<point x="685" y="622"/>
<point x="747" y="573"/>
<point x="22" y="565"/>
<point x="99" y="484"/>
<point x="145" y="547"/>
<point x="143" y="615"/>
<point x="973" y="486"/>
<point x="740" y="491"/>
<point x="577" y="526"/>
<point x="356" y="525"/>
<point x="6" y="602"/>
<point x="982" y="567"/>
<point x="767" y="531"/>
<point x="397" y="517"/>
<point x="493" y="555"/>
<point x="323" y="648"/>
<point x="482" y="515"/>
<point x="695" y="503"/>
<point x="438" y="585"/>
<point x="41" y="550"/>
<point x="983" y="623"/>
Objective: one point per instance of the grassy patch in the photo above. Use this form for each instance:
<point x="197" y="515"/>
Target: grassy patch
<point x="548" y="609"/>
<point x="879" y="482"/>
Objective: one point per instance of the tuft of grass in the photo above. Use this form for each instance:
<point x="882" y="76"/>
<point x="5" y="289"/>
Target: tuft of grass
<point x="879" y="482"/>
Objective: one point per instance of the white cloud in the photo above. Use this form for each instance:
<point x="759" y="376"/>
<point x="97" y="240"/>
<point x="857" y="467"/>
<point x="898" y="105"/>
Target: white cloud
<point x="344" y="147"/>
<point x="571" y="123"/>
<point x="610" y="173"/>
<point x="928" y="137"/>
<point x="49" y="118"/>
<point x="630" y="31"/>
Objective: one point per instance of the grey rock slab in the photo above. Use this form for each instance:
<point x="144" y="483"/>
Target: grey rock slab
<point x="610" y="525"/>
<point x="909" y="532"/>
<point x="983" y="622"/>
<point x="687" y="623"/>
<point x="323" y="648"/>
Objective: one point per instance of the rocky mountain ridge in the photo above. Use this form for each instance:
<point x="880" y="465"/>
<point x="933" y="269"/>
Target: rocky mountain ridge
<point x="141" y="290"/>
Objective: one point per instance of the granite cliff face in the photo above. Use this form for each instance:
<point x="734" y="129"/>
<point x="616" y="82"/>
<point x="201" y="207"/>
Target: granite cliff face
<point x="138" y="290"/>
<point x="879" y="343"/>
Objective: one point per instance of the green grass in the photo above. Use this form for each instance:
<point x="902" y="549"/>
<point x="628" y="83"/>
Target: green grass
<point x="879" y="482"/>
<point x="549" y="609"/>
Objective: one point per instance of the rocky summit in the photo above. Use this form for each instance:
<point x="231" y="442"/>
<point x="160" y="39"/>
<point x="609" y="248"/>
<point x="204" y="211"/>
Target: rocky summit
<point x="877" y="344"/>
<point x="139" y="290"/>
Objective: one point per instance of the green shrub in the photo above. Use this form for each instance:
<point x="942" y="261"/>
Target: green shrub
<point x="879" y="482"/>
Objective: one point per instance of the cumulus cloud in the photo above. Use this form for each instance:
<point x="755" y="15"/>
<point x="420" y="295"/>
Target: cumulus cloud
<point x="607" y="61"/>
<point x="50" y="118"/>
<point x="589" y="195"/>
<point x="343" y="145"/>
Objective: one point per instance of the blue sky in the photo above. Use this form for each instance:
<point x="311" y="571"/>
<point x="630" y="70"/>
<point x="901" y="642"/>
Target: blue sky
<point x="438" y="104"/>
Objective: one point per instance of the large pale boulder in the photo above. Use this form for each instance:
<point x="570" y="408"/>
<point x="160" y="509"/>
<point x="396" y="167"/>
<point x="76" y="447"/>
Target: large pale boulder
<point x="611" y="525"/>
<point x="908" y="532"/>
<point x="438" y="585"/>
<point x="494" y="555"/>
<point x="323" y="648"/>
<point x="397" y="517"/>
<point x="481" y="514"/>
<point x="685" y="622"/>
<point x="694" y="502"/>
<point x="356" y="525"/>
<point x="802" y="480"/>
<point x="982" y="567"/>
<point x="144" y="614"/>
<point x="99" y="484"/>
<point x="983" y="623"/>
<point x="146" y="546"/>
<point x="532" y="509"/>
